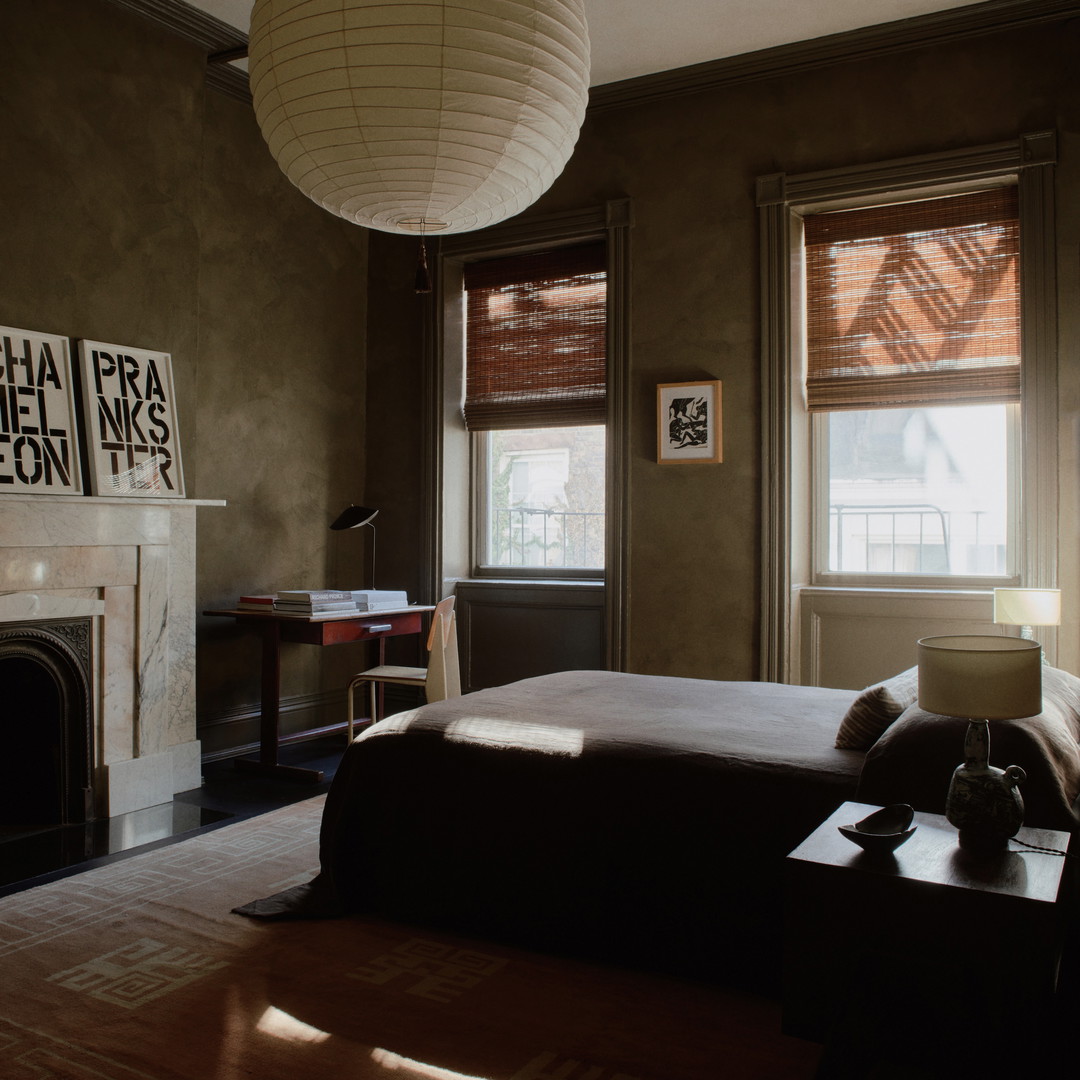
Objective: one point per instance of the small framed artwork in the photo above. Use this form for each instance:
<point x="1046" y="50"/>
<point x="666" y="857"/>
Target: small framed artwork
<point x="689" y="423"/>
<point x="39" y="433"/>
<point x="129" y="421"/>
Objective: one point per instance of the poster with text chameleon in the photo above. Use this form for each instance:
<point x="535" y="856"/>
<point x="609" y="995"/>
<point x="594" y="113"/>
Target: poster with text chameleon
<point x="129" y="418"/>
<point x="39" y="440"/>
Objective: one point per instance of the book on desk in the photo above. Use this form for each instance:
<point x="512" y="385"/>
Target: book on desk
<point x="325" y="603"/>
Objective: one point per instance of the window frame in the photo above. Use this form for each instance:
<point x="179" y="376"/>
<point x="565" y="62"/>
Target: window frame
<point x="819" y="524"/>
<point x="479" y="489"/>
<point x="787" y="476"/>
<point x="819" y="442"/>
<point x="479" y="509"/>
<point x="447" y="456"/>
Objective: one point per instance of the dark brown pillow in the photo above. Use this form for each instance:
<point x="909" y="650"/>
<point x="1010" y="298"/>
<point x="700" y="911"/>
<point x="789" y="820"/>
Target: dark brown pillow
<point x="875" y="709"/>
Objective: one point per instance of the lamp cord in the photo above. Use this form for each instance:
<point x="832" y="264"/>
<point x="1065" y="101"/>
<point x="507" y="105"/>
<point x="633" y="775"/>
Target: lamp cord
<point x="1044" y="850"/>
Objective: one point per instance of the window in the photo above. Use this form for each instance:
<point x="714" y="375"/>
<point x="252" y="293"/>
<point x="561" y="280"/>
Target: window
<point x="923" y="492"/>
<point x="912" y="428"/>
<point x="913" y="379"/>
<point x="535" y="403"/>
<point x="543" y="497"/>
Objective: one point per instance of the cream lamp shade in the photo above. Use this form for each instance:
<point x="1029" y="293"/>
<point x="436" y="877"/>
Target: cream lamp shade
<point x="983" y="677"/>
<point x="1027" y="607"/>
<point x="438" y="117"/>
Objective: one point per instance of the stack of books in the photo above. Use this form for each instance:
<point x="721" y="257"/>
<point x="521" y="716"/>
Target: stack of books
<point x="315" y="602"/>
<point x="325" y="602"/>
<point x="257" y="602"/>
<point x="379" y="599"/>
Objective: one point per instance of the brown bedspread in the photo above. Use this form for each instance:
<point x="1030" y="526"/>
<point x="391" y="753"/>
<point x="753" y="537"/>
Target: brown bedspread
<point x="764" y="726"/>
<point x="588" y="810"/>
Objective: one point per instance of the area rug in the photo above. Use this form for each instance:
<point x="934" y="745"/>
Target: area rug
<point x="139" y="970"/>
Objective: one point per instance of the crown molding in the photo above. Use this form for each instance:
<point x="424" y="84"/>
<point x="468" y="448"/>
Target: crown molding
<point x="204" y="30"/>
<point x="941" y="27"/>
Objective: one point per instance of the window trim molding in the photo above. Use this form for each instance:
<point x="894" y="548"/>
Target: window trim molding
<point x="781" y="198"/>
<point x="612" y="223"/>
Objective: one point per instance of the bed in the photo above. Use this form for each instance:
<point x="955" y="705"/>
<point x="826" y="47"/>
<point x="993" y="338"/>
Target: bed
<point x="627" y="817"/>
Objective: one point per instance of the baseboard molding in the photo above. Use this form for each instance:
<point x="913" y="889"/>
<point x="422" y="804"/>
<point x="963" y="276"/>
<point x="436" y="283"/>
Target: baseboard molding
<point x="235" y="732"/>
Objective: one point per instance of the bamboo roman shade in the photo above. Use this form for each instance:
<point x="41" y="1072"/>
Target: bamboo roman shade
<point x="914" y="304"/>
<point x="536" y="340"/>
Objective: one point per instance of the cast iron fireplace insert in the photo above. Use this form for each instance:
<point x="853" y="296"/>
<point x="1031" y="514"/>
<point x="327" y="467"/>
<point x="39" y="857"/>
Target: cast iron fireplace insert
<point x="46" y="723"/>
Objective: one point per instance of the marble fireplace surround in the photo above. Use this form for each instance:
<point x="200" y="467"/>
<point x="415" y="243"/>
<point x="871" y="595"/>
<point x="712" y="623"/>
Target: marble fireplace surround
<point x="128" y="564"/>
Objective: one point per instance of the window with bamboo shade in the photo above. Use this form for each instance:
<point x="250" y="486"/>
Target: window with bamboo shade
<point x="536" y="406"/>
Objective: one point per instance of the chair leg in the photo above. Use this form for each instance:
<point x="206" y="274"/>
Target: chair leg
<point x="373" y="690"/>
<point x="349" y="695"/>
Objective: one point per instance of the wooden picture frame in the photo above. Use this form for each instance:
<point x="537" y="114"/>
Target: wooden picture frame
<point x="689" y="423"/>
<point x="129" y="421"/>
<point x="39" y="428"/>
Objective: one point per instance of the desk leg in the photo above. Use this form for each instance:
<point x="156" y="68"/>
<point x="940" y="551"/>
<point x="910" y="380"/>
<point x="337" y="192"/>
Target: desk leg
<point x="270" y="721"/>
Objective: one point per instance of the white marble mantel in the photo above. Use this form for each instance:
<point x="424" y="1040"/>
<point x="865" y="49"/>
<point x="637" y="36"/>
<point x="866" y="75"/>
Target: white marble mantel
<point x="128" y="563"/>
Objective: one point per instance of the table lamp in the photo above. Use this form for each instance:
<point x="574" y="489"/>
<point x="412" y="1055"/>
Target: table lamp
<point x="982" y="678"/>
<point x="1027" y="608"/>
<point x="352" y="517"/>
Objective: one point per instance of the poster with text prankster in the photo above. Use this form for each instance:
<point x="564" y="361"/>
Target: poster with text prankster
<point x="129" y="419"/>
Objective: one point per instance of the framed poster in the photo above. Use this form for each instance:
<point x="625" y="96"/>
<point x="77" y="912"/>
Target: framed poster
<point x="689" y="423"/>
<point x="39" y="435"/>
<point x="129" y="421"/>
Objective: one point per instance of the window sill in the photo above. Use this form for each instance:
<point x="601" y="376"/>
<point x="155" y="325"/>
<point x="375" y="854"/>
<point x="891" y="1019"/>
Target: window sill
<point x="528" y="582"/>
<point x="923" y="591"/>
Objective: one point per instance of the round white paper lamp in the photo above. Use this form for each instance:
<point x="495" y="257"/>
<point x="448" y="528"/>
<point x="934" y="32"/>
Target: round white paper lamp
<point x="407" y="117"/>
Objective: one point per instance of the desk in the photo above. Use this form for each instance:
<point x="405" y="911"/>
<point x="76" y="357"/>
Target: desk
<point x="315" y="630"/>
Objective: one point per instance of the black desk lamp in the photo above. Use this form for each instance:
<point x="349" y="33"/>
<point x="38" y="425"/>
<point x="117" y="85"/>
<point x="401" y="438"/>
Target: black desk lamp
<point x="352" y="517"/>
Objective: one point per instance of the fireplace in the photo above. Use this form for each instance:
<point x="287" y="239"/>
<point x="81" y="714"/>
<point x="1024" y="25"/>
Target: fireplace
<point x="46" y="775"/>
<point x="112" y="579"/>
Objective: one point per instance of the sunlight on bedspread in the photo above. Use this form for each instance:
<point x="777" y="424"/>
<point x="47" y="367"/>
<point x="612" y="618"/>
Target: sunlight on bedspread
<point x="521" y="735"/>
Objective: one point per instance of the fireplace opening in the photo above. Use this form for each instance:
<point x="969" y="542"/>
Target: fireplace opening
<point x="46" y="724"/>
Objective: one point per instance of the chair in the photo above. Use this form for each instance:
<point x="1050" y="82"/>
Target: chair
<point x="441" y="678"/>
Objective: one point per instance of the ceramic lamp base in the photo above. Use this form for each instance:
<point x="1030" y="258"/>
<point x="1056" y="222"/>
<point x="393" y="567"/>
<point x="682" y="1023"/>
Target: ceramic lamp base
<point x="984" y="802"/>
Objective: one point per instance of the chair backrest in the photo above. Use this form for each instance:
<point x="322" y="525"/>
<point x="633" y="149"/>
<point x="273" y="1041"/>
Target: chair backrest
<point x="443" y="670"/>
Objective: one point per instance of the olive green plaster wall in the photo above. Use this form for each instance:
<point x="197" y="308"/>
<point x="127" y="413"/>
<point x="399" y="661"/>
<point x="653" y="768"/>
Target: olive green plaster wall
<point x="99" y="183"/>
<point x="281" y="407"/>
<point x="140" y="208"/>
<point x="396" y="438"/>
<point x="689" y="166"/>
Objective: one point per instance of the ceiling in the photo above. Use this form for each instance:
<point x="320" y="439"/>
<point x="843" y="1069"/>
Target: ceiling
<point x="641" y="37"/>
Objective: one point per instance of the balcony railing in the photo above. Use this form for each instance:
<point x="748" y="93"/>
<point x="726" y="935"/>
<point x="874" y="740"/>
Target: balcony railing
<point x="533" y="536"/>
<point x="917" y="538"/>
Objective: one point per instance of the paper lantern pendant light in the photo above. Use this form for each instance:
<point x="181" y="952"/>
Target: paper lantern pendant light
<point x="408" y="117"/>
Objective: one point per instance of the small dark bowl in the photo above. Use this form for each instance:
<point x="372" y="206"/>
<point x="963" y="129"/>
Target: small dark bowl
<point x="883" y="830"/>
